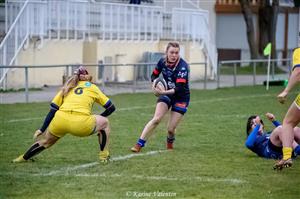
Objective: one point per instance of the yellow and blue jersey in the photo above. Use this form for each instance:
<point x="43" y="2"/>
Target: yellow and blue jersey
<point x="296" y="64"/>
<point x="296" y="58"/>
<point x="81" y="98"/>
<point x="74" y="112"/>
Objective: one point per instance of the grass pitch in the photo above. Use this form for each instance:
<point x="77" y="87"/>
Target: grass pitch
<point x="209" y="159"/>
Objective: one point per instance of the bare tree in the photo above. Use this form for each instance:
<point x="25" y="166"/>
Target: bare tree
<point x="247" y="13"/>
<point x="267" y="20"/>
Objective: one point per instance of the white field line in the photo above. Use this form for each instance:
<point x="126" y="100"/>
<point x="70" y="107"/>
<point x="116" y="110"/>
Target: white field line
<point x="66" y="171"/>
<point x="162" y="178"/>
<point x="24" y="119"/>
<point x="215" y="116"/>
<point x="83" y="166"/>
<point x="152" y="106"/>
<point x="142" y="177"/>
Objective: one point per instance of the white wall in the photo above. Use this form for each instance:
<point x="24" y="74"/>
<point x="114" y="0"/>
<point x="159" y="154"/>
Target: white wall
<point x="52" y="53"/>
<point x="231" y="31"/>
<point x="64" y="52"/>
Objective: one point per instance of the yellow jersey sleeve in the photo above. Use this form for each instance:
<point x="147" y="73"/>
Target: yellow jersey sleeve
<point x="58" y="99"/>
<point x="296" y="58"/>
<point x="101" y="98"/>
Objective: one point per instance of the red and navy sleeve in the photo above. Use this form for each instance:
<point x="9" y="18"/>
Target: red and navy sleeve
<point x="157" y="70"/>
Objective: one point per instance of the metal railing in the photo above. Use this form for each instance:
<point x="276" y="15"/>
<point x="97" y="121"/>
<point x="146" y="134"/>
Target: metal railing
<point x="14" y="40"/>
<point x="232" y="71"/>
<point x="190" y="24"/>
<point x="76" y="19"/>
<point x="111" y="21"/>
<point x="136" y="83"/>
<point x="230" y="74"/>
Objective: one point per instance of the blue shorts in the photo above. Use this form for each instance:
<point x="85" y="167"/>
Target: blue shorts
<point x="178" y="105"/>
<point x="271" y="151"/>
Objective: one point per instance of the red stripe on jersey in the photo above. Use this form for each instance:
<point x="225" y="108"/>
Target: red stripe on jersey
<point x="180" y="80"/>
<point x="181" y="104"/>
<point x="155" y="71"/>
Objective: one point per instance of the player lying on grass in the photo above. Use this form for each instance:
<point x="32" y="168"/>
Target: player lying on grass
<point x="268" y="145"/>
<point x="70" y="112"/>
<point x="175" y="72"/>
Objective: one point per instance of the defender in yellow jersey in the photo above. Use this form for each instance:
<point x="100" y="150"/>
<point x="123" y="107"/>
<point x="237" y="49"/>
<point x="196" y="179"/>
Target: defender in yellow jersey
<point x="292" y="117"/>
<point x="70" y="112"/>
<point x="74" y="114"/>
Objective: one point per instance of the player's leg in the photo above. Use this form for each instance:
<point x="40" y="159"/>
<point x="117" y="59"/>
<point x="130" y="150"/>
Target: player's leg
<point x="275" y="136"/>
<point x="296" y="142"/>
<point x="103" y="133"/>
<point x="47" y="141"/>
<point x="297" y="134"/>
<point x="179" y="108"/>
<point x="160" y="110"/>
<point x="291" y="119"/>
<point x="174" y="120"/>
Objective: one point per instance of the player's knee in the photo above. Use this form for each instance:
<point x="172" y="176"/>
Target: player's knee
<point x="156" y="120"/>
<point x="105" y="122"/>
<point x="47" y="142"/>
<point x="102" y="122"/>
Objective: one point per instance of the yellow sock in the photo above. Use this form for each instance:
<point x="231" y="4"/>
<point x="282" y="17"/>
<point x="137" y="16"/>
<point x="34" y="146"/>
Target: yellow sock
<point x="287" y="152"/>
<point x="104" y="154"/>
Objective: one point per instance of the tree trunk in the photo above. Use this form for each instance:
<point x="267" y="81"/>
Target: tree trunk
<point x="267" y="17"/>
<point x="275" y="9"/>
<point x="247" y="13"/>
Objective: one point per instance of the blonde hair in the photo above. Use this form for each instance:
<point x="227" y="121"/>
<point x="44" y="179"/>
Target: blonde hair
<point x="73" y="82"/>
<point x="70" y="83"/>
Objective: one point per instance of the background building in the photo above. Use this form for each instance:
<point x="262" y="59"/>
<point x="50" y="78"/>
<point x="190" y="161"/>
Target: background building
<point x="231" y="39"/>
<point x="101" y="32"/>
<point x="90" y="32"/>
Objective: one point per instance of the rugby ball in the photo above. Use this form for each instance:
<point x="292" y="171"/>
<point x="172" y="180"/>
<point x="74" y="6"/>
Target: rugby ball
<point x="160" y="83"/>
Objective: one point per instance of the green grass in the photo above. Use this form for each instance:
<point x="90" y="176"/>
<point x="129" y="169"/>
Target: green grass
<point x="19" y="90"/>
<point x="209" y="160"/>
<point x="248" y="70"/>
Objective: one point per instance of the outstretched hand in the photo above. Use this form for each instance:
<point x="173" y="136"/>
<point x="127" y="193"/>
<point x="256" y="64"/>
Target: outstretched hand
<point x="270" y="116"/>
<point x="257" y="121"/>
<point x="282" y="97"/>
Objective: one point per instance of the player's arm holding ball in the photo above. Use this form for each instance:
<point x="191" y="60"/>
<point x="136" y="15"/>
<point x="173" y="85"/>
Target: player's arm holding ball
<point x="160" y="87"/>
